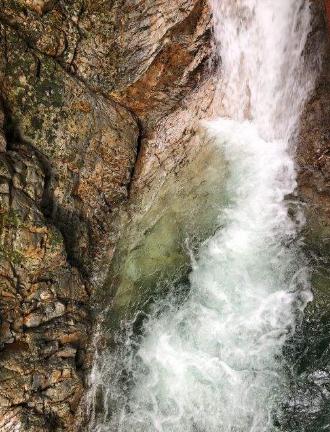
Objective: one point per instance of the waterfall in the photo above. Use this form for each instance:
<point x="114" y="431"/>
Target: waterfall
<point x="214" y="362"/>
<point x="264" y="78"/>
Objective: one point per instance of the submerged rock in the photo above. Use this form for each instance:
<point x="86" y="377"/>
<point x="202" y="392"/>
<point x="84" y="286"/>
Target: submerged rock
<point x="164" y="232"/>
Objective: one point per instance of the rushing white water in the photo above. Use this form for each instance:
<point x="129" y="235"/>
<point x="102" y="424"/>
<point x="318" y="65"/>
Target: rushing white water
<point x="214" y="363"/>
<point x="264" y="77"/>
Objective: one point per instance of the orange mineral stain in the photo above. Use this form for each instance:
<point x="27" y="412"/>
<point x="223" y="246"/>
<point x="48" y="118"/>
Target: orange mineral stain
<point x="327" y="6"/>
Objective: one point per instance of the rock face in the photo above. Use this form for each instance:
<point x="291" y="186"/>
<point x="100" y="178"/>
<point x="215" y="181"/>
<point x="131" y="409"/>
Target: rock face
<point x="89" y="91"/>
<point x="313" y="156"/>
<point x="101" y="103"/>
<point x="43" y="301"/>
<point x="327" y="5"/>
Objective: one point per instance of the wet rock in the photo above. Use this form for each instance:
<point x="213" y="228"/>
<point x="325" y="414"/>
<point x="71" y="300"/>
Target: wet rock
<point x="313" y="156"/>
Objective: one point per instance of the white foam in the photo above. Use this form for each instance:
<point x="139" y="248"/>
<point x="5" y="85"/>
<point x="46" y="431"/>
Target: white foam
<point x="215" y="362"/>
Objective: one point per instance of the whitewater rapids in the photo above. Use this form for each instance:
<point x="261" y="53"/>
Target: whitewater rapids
<point x="214" y="362"/>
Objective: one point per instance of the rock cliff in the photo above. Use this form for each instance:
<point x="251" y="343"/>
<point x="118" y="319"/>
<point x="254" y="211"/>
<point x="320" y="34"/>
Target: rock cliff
<point x="100" y="108"/>
<point x="84" y="87"/>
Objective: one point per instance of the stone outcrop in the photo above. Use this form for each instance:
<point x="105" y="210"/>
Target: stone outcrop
<point x="89" y="89"/>
<point x="44" y="318"/>
<point x="101" y="103"/>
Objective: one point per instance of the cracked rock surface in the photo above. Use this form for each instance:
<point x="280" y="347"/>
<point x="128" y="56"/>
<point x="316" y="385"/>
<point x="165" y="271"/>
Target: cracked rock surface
<point x="43" y="304"/>
<point x="87" y="89"/>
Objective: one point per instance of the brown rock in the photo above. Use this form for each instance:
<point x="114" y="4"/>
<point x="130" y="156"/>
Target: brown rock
<point x="67" y="352"/>
<point x="32" y="320"/>
<point x="38" y="6"/>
